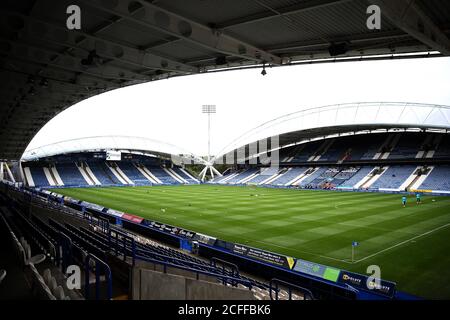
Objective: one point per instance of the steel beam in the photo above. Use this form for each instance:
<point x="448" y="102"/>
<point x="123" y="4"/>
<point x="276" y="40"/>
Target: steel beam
<point x="115" y="50"/>
<point x="41" y="56"/>
<point x="406" y="15"/>
<point x="48" y="74"/>
<point x="164" y="21"/>
<point x="279" y="12"/>
<point x="379" y="36"/>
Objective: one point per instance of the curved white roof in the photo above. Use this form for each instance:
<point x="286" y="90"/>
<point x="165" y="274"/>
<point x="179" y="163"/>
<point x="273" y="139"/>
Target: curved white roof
<point x="102" y="143"/>
<point x="361" y="115"/>
<point x="293" y="127"/>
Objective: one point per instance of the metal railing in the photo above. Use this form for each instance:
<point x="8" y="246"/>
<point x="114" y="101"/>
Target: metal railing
<point x="232" y="267"/>
<point x="274" y="286"/>
<point x="221" y="278"/>
<point x="99" y="267"/>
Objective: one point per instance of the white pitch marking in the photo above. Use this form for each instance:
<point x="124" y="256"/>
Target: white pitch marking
<point x="402" y="243"/>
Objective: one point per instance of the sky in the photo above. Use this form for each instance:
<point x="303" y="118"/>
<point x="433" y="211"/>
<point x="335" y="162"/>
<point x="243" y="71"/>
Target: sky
<point x="170" y="110"/>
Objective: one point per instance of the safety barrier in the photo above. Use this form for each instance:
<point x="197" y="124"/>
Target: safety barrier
<point x="274" y="285"/>
<point x="97" y="267"/>
<point x="220" y="277"/>
<point x="234" y="268"/>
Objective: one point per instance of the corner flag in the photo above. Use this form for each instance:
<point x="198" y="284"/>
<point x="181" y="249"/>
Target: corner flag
<point x="354" y="244"/>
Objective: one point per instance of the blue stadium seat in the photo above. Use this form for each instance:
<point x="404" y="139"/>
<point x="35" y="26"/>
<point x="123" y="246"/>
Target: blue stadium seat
<point x="438" y="179"/>
<point x="133" y="173"/>
<point x="289" y="176"/>
<point x="394" y="177"/>
<point x="184" y="175"/>
<point x="70" y="174"/>
<point x="103" y="173"/>
<point x="245" y="174"/>
<point x="39" y="178"/>
<point x="357" y="177"/>
<point x="162" y="175"/>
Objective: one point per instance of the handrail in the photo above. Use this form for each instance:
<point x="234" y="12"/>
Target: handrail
<point x="289" y="286"/>
<point x="83" y="242"/>
<point x="103" y="224"/>
<point x="88" y="237"/>
<point x="107" y="273"/>
<point x="57" y="236"/>
<point x="126" y="239"/>
<point x="65" y="242"/>
<point x="191" y="264"/>
<point x="244" y="282"/>
<point x="136" y="251"/>
<point x="234" y="268"/>
<point x="121" y="247"/>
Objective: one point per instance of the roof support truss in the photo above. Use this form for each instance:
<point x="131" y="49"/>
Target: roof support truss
<point x="406" y="15"/>
<point x="172" y="24"/>
<point x="280" y="12"/>
<point x="107" y="48"/>
<point x="22" y="50"/>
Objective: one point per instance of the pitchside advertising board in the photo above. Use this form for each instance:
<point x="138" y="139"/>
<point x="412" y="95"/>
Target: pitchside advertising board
<point x="171" y="229"/>
<point x="269" y="257"/>
<point x="359" y="281"/>
<point x="114" y="213"/>
<point x="317" y="270"/>
<point x="355" y="280"/>
<point x="132" y="218"/>
<point x="92" y="206"/>
<point x="203" y="238"/>
<point x="164" y="227"/>
<point x="186" y="233"/>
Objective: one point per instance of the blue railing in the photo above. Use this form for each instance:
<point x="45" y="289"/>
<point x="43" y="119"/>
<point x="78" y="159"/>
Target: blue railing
<point x="122" y="243"/>
<point x="220" y="277"/>
<point x="274" y="286"/>
<point x="66" y="247"/>
<point x="100" y="268"/>
<point x="232" y="267"/>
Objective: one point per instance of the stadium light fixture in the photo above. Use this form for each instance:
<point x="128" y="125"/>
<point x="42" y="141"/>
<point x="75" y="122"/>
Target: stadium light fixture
<point x="209" y="109"/>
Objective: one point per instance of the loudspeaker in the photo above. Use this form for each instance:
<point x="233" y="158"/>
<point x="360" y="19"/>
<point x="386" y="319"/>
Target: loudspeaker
<point x="338" y="49"/>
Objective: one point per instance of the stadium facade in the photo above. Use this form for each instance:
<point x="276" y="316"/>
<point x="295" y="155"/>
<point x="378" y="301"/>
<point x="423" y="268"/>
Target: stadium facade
<point x="389" y="147"/>
<point x="93" y="161"/>
<point x="356" y="146"/>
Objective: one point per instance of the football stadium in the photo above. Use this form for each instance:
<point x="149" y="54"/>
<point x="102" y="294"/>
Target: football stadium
<point x="343" y="201"/>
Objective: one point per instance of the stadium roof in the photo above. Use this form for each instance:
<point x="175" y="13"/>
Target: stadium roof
<point x="46" y="68"/>
<point x="127" y="144"/>
<point x="338" y="120"/>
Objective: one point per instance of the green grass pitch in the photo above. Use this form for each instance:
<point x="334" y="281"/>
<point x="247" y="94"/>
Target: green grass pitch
<point x="411" y="245"/>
